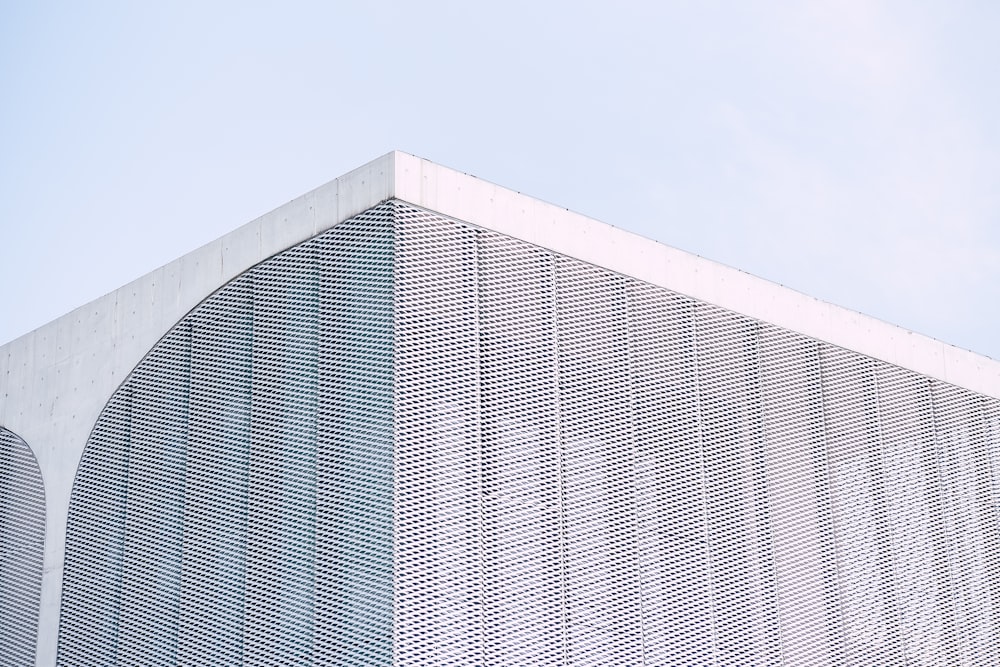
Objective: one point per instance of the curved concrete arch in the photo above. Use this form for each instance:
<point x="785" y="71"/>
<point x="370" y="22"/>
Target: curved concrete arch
<point x="22" y="525"/>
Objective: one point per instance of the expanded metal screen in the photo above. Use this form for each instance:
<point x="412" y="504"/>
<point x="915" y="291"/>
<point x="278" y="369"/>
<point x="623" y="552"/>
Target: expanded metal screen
<point x="22" y="538"/>
<point x="413" y="441"/>
<point x="234" y="502"/>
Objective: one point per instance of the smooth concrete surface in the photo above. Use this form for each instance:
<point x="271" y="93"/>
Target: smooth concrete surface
<point x="55" y="381"/>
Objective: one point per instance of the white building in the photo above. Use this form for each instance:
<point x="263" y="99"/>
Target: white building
<point x="415" y="418"/>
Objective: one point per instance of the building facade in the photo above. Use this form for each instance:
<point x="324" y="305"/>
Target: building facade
<point x="415" y="418"/>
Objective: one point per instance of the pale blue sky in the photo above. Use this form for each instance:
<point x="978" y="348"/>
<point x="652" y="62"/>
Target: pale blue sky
<point x="849" y="150"/>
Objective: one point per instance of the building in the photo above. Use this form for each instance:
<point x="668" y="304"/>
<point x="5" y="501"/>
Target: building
<point x="416" y="418"/>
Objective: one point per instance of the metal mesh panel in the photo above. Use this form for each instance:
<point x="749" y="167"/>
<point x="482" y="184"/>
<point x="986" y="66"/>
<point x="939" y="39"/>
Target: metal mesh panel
<point x="598" y="468"/>
<point x="438" y="477"/>
<point x="354" y="450"/>
<point x="736" y="489"/>
<point x="915" y="516"/>
<point x="95" y="534"/>
<point x="797" y="471"/>
<point x="22" y="537"/>
<point x="522" y="518"/>
<point x="215" y="484"/>
<point x="870" y="630"/>
<point x="411" y="441"/>
<point x="154" y="527"/>
<point x="281" y="503"/>
<point x="192" y="535"/>
<point x="962" y="435"/>
<point x="992" y="410"/>
<point x="674" y="555"/>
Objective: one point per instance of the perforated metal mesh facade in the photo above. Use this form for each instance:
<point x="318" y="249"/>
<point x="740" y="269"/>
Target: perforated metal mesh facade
<point x="413" y="441"/>
<point x="22" y="537"/>
<point x="234" y="502"/>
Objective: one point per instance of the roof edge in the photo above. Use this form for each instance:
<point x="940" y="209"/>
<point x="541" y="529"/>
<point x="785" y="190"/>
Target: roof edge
<point x="484" y="204"/>
<point x="123" y="325"/>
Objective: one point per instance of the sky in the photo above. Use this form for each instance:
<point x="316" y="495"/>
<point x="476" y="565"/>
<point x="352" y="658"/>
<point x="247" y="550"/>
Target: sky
<point x="849" y="150"/>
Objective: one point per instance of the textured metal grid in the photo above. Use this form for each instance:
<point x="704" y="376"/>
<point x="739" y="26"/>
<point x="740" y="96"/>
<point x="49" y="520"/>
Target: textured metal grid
<point x="354" y="518"/>
<point x="281" y="474"/>
<point x="523" y="620"/>
<point x="737" y="496"/>
<point x="797" y="470"/>
<point x="859" y="500"/>
<point x="598" y="505"/>
<point x="233" y="502"/>
<point x="153" y="519"/>
<point x="919" y="544"/>
<point x="22" y="537"/>
<point x="92" y="571"/>
<point x="961" y="455"/>
<point x="215" y="498"/>
<point x="411" y="440"/>
<point x="438" y="559"/>
<point x="673" y="540"/>
<point x="591" y="470"/>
